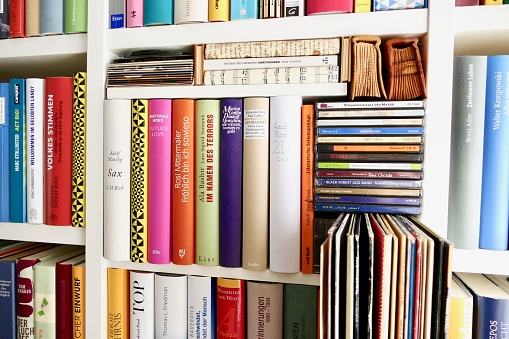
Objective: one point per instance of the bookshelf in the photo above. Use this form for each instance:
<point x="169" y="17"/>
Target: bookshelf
<point x="444" y="31"/>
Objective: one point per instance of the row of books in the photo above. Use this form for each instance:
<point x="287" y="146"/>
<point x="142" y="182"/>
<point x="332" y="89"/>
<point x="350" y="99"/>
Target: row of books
<point x="158" y="305"/>
<point x="21" y="19"/>
<point x="42" y="290"/>
<point x="42" y="145"/>
<point x="459" y="3"/>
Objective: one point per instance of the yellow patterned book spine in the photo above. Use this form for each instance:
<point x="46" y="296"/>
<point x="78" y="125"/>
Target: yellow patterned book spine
<point x="79" y="138"/>
<point x="219" y="10"/>
<point x="139" y="182"/>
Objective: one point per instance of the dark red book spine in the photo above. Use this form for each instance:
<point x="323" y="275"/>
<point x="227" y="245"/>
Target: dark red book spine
<point x="467" y="3"/>
<point x="17" y="19"/>
<point x="58" y="151"/>
<point x="230" y="303"/>
<point x="64" y="312"/>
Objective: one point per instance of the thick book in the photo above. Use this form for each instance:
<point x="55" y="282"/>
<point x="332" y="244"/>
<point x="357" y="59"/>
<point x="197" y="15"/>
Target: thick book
<point x="230" y="183"/>
<point x="134" y="10"/>
<point x="467" y="144"/>
<point x="58" y="106"/>
<point x="17" y="18"/>
<point x="293" y="8"/>
<point x="183" y="201"/>
<point x="4" y="20"/>
<point x="79" y="149"/>
<point x="285" y="182"/>
<point x="219" y="10"/>
<point x="329" y="6"/>
<point x="306" y="188"/>
<point x="264" y="309"/>
<point x="207" y="158"/>
<point x="17" y="151"/>
<point x="33" y="18"/>
<point x="79" y="300"/>
<point x="230" y="306"/>
<point x="270" y="62"/>
<point x="35" y="149"/>
<point x="300" y="307"/>
<point x="52" y="17"/>
<point x="117" y="182"/>
<point x="255" y="184"/>
<point x="159" y="181"/>
<point x="118" y="303"/>
<point x="201" y="307"/>
<point x="142" y="296"/>
<point x="190" y="11"/>
<point x="494" y="232"/>
<point x="158" y="12"/>
<point x="170" y="306"/>
<point x="5" y="209"/>
<point x="244" y="9"/>
<point x="117" y="14"/>
<point x="462" y="310"/>
<point x="76" y="15"/>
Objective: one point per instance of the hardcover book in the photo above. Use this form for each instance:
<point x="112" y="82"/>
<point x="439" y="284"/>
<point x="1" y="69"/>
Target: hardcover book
<point x="190" y="11"/>
<point x="134" y="10"/>
<point x="300" y="310"/>
<point x="118" y="306"/>
<point x="5" y="209"/>
<point x="117" y="13"/>
<point x="219" y="10"/>
<point x="158" y="12"/>
<point x="201" y="306"/>
<point x="17" y="18"/>
<point x="5" y="20"/>
<point x="294" y="8"/>
<point x="459" y="3"/>
<point x="170" y="306"/>
<point x="76" y="15"/>
<point x="306" y="193"/>
<point x="462" y="310"/>
<point x="230" y="305"/>
<point x="264" y="308"/>
<point x="79" y="149"/>
<point x="52" y="17"/>
<point x="78" y="300"/>
<point x="142" y="297"/>
<point x="244" y="9"/>
<point x="329" y="6"/>
<point x="33" y="18"/>
<point x="385" y="5"/>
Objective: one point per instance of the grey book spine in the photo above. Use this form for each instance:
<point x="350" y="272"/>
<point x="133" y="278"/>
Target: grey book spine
<point x="117" y="14"/>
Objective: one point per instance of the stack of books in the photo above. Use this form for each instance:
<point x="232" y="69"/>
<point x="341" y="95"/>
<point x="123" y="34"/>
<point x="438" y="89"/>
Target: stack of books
<point x="369" y="156"/>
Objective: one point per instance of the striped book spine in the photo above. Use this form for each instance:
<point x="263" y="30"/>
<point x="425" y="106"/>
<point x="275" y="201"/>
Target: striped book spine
<point x="79" y="138"/>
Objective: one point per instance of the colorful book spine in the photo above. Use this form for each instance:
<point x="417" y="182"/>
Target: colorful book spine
<point x="329" y="6"/>
<point x="139" y="179"/>
<point x="300" y="311"/>
<point x="244" y="9"/>
<point x="79" y="144"/>
<point x="369" y="140"/>
<point x="320" y="182"/>
<point x="491" y="2"/>
<point x="58" y="151"/>
<point x="219" y="10"/>
<point x="230" y="303"/>
<point x="459" y="3"/>
<point x="76" y="15"/>
<point x="294" y="8"/>
<point x="190" y="11"/>
<point x="5" y="209"/>
<point x="201" y="307"/>
<point x="362" y="6"/>
<point x="117" y="14"/>
<point x="387" y="5"/>
<point x="494" y="193"/>
<point x="119" y="314"/>
<point x="230" y="183"/>
<point x="4" y="20"/>
<point x="170" y="306"/>
<point x="264" y="309"/>
<point x="369" y="174"/>
<point x="52" y="17"/>
<point x="8" y="298"/>
<point x="158" y="12"/>
<point x="134" y="9"/>
<point x="33" y="18"/>
<point x="183" y="179"/>
<point x="142" y="297"/>
<point x="78" y="300"/>
<point x="334" y="207"/>
<point x="17" y="18"/>
<point x="306" y="193"/>
<point x="207" y="181"/>
<point x="359" y="199"/>
<point x="365" y="157"/>
<point x="370" y="130"/>
<point x="17" y="151"/>
<point x="159" y="181"/>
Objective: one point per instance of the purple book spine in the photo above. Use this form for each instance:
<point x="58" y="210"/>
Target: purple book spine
<point x="230" y="174"/>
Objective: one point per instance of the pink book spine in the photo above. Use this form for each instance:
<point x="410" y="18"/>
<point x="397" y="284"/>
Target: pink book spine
<point x="134" y="13"/>
<point x="159" y="181"/>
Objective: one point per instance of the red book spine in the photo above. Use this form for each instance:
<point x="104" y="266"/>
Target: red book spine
<point x="64" y="312"/>
<point x="329" y="6"/>
<point x="17" y="19"/>
<point x="58" y="151"/>
<point x="231" y="299"/>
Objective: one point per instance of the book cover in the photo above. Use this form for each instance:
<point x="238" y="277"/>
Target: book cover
<point x="33" y="17"/>
<point x="270" y="62"/>
<point x="134" y="10"/>
<point x="300" y="307"/>
<point x="367" y="113"/>
<point x="285" y="182"/>
<point x="264" y="309"/>
<point x="255" y="184"/>
<point x="493" y="230"/>
<point x="117" y="180"/>
<point x="139" y="180"/>
<point x="362" y="6"/>
<point x="158" y="12"/>
<point x="4" y="20"/>
<point x="329" y="6"/>
<point x="219" y="10"/>
<point x="294" y="8"/>
<point x="35" y="149"/>
<point x="170" y="306"/>
<point x="183" y="141"/>
<point x="198" y="64"/>
<point x="385" y="5"/>
<point x="230" y="305"/>
<point x="79" y="149"/>
<point x="159" y="181"/>
<point x="118" y="303"/>
<point x="117" y="11"/>
<point x="462" y="310"/>
<point x="79" y="300"/>
<point x="244" y="9"/>
<point x="201" y="307"/>
<point x="52" y="17"/>
<point x="368" y="174"/>
<point x="58" y="105"/>
<point x="17" y="151"/>
<point x="207" y="159"/>
<point x="5" y="209"/>
<point x="142" y="296"/>
<point x="76" y="16"/>
<point x="306" y="188"/>
<point x="17" y="18"/>
<point x="230" y="183"/>
<point x="190" y="11"/>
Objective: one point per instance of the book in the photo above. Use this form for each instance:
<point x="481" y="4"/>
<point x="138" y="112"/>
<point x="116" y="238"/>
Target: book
<point x="52" y="17"/>
<point x="493" y="230"/>
<point x="230" y="306"/>
<point x="370" y="122"/>
<point x="117" y="179"/>
<point x="170" y="306"/>
<point x="255" y="184"/>
<point x="117" y="12"/>
<point x="5" y="209"/>
<point x="328" y="6"/>
<point x="368" y="174"/>
<point x="306" y="187"/>
<point x="293" y="8"/>
<point x="270" y="62"/>
<point x="462" y="310"/>
<point x="219" y="10"/>
<point x="370" y="130"/>
<point x="346" y="60"/>
<point x="370" y="139"/>
<point x="459" y="3"/>
<point x="16" y="18"/>
<point x="201" y="306"/>
<point x="467" y="139"/>
<point x="118" y="303"/>
<point x="415" y="106"/>
<point x="4" y="20"/>
<point x="76" y="15"/>
<point x="79" y="300"/>
<point x="158" y="12"/>
<point x="207" y="139"/>
<point x="230" y="183"/>
<point x="159" y="181"/>
<point x="321" y="224"/>
<point x="337" y="268"/>
<point x="264" y="309"/>
<point x="491" y="2"/>
<point x="366" y="113"/>
<point x="386" y="5"/>
<point x="190" y="11"/>
<point x="183" y="141"/>
<point x="285" y="181"/>
<point x="134" y="10"/>
<point x="142" y="296"/>
<point x="17" y="151"/>
<point x="79" y="149"/>
<point x="35" y="149"/>
<point x="365" y="157"/>
<point x="33" y="18"/>
<point x="366" y="277"/>
<point x="371" y="165"/>
<point x="362" y="6"/>
<point x="244" y="9"/>
<point x="300" y="306"/>
<point x="322" y="182"/>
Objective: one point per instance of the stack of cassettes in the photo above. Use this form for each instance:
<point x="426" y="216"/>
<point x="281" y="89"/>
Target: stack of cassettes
<point x="369" y="156"/>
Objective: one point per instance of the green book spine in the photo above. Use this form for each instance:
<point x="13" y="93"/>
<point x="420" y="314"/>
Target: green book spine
<point x="207" y="180"/>
<point x="506" y="2"/>
<point x="300" y="311"/>
<point x="75" y="16"/>
<point x="45" y="302"/>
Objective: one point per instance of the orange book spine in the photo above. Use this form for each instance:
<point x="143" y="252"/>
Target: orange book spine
<point x="307" y="162"/>
<point x="183" y="181"/>
<point x="118" y="303"/>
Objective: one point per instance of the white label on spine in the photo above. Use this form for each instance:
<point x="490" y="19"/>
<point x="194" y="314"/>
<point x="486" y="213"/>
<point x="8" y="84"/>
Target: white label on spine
<point x="256" y="124"/>
<point x="2" y="109"/>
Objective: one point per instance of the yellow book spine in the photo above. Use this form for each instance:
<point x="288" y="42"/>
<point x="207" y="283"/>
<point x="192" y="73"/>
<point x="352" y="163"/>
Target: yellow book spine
<point x="460" y="318"/>
<point x="118" y="303"/>
<point x="79" y="135"/>
<point x="491" y="2"/>
<point x="362" y="6"/>
<point x="219" y="10"/>
<point x="78" y="301"/>
<point x="139" y="180"/>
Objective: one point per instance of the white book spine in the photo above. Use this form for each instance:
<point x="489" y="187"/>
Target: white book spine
<point x="35" y="149"/>
<point x="171" y="306"/>
<point x="142" y="304"/>
<point x="191" y="11"/>
<point x="293" y="8"/>
<point x="284" y="179"/>
<point x="117" y="165"/>
<point x="250" y="63"/>
<point x="200" y="305"/>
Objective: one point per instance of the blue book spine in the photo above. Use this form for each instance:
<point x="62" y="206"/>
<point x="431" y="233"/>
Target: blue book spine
<point x="52" y="17"/>
<point x="4" y="152"/>
<point x="332" y="207"/>
<point x="18" y="192"/>
<point x="230" y="183"/>
<point x="157" y="12"/>
<point x="411" y="292"/>
<point x="490" y="317"/>
<point x="371" y="130"/>
<point x="494" y="230"/>
<point x="4" y="19"/>
<point x="117" y="14"/>
<point x="368" y="183"/>
<point x="244" y="9"/>
<point x="8" y="299"/>
<point x="361" y="199"/>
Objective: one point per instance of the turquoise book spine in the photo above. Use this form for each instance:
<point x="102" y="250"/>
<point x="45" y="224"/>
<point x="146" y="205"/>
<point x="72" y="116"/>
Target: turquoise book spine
<point x="157" y="12"/>
<point x="244" y="9"/>
<point x="4" y="152"/>
<point x="52" y="17"/>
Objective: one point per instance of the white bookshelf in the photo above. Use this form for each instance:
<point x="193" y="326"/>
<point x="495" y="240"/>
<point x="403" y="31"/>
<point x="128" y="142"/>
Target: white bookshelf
<point x="43" y="233"/>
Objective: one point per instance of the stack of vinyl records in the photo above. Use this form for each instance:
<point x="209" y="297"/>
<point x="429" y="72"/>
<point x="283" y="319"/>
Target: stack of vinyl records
<point x="369" y="156"/>
<point x="151" y="68"/>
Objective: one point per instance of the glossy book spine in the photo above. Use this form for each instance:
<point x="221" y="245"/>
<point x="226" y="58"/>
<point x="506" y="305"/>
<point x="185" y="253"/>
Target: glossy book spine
<point x="244" y="9"/>
<point x="79" y="300"/>
<point x="158" y="12"/>
<point x="219" y="10"/>
<point x="117" y="14"/>
<point x="4" y="152"/>
<point x="230" y="302"/>
<point x="76" y="15"/>
<point x="329" y="6"/>
<point x="142" y="298"/>
<point x="52" y="17"/>
<point x="79" y="144"/>
<point x="134" y="9"/>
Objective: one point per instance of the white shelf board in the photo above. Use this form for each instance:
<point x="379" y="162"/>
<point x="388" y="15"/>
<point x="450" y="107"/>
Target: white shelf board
<point x="480" y="261"/>
<point x="223" y="272"/>
<point x="385" y="24"/>
<point x="43" y="233"/>
<point x="43" y="46"/>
